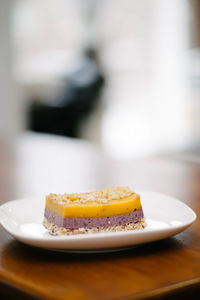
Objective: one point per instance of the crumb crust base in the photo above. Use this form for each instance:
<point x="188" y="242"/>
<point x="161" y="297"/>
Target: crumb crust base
<point x="56" y="230"/>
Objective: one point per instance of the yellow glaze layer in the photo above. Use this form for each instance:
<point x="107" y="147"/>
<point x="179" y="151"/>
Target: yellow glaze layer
<point x="93" y="210"/>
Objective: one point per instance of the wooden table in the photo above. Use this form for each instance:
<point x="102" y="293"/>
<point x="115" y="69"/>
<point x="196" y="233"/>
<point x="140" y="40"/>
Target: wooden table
<point x="37" y="164"/>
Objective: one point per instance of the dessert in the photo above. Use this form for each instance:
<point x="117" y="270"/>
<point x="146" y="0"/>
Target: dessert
<point x="111" y="209"/>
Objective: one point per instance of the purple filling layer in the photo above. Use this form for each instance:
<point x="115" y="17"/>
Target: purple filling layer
<point x="75" y="223"/>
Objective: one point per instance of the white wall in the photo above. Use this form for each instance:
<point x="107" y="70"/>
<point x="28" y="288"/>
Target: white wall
<point x="147" y="108"/>
<point x="11" y="113"/>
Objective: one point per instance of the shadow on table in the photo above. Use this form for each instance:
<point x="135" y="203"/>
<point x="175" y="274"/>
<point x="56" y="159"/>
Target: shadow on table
<point x="25" y="252"/>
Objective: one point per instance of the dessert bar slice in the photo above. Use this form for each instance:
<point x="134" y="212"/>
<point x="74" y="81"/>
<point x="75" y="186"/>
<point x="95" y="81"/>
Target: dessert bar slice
<point x="111" y="209"/>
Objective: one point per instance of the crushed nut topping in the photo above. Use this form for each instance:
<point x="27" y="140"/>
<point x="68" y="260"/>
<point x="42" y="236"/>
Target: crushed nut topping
<point x="100" y="196"/>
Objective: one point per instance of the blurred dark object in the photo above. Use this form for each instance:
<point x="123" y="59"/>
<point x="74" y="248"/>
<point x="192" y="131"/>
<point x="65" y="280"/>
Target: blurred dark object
<point x="76" y="101"/>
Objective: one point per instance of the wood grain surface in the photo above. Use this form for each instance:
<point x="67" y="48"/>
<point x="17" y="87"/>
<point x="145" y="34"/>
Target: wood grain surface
<point x="164" y="269"/>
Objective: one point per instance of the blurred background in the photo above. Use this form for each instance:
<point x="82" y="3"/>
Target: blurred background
<point x="122" y="74"/>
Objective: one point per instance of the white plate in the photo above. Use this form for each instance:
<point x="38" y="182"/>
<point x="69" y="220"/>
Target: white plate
<point x="165" y="217"/>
